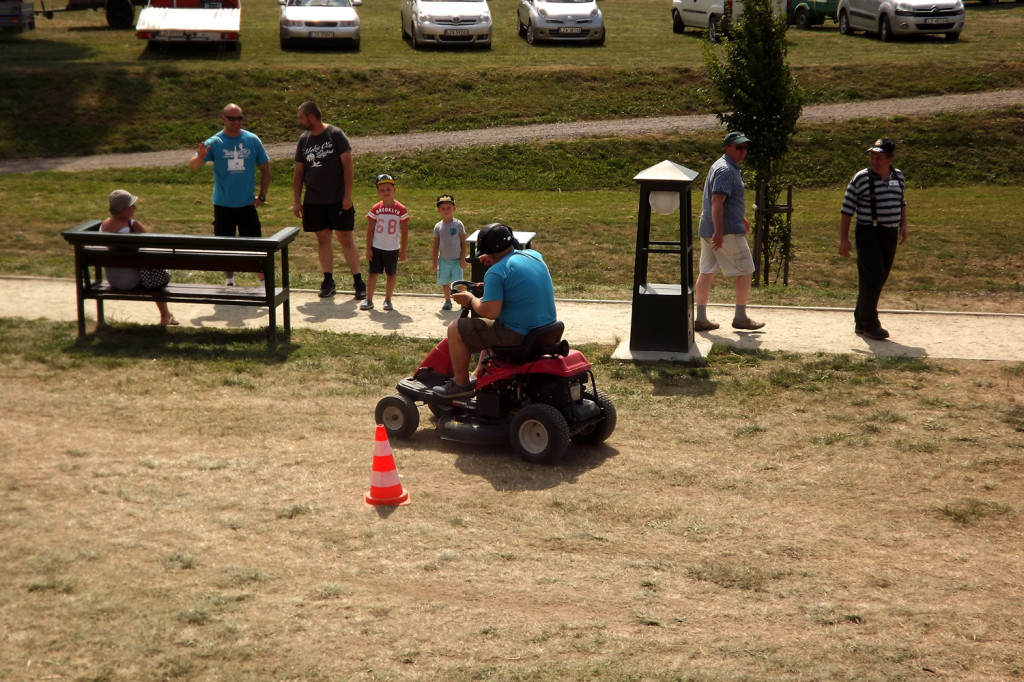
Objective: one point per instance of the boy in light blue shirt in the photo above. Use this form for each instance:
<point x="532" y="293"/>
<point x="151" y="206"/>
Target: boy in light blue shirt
<point x="449" y="252"/>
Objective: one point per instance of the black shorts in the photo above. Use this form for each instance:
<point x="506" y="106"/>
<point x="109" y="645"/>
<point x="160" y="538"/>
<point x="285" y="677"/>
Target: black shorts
<point x="317" y="217"/>
<point x="384" y="261"/>
<point x="244" y="218"/>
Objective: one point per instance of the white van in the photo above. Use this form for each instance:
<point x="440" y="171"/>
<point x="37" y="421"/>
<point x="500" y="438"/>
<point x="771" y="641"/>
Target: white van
<point x="713" y="16"/>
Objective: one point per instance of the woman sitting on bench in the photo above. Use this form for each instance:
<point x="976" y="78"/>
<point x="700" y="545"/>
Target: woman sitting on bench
<point x="122" y="219"/>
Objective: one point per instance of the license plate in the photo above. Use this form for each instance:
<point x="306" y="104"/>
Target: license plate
<point x="456" y="31"/>
<point x="321" y="34"/>
<point x="936" y="20"/>
<point x="574" y="29"/>
<point x="172" y="34"/>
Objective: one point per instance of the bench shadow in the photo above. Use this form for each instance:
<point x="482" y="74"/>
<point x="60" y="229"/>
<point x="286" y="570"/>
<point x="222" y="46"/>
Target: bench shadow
<point x="132" y="340"/>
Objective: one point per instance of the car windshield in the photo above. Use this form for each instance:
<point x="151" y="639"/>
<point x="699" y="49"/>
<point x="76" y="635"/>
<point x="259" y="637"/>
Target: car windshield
<point x="320" y="3"/>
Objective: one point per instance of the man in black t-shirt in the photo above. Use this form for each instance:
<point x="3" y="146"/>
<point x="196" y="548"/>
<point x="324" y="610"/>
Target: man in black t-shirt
<point x="323" y="163"/>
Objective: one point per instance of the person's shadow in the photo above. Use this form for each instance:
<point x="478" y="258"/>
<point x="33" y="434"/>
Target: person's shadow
<point x="324" y="309"/>
<point x="234" y="316"/>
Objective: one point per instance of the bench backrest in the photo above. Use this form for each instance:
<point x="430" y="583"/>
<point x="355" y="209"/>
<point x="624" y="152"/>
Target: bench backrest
<point x="88" y="234"/>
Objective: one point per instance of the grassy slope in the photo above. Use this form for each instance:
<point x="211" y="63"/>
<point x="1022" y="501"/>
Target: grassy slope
<point x="98" y="90"/>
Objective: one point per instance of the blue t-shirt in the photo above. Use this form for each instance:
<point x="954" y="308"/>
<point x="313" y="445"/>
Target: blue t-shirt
<point x="725" y="178"/>
<point x="522" y="283"/>
<point x="235" y="160"/>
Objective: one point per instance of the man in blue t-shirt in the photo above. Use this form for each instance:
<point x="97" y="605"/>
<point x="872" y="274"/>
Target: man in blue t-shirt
<point x="518" y="297"/>
<point x="723" y="235"/>
<point x="236" y="154"/>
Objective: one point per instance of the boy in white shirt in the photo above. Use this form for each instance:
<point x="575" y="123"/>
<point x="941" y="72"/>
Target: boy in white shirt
<point x="387" y="233"/>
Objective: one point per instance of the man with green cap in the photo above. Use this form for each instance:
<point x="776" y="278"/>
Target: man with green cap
<point x="723" y="235"/>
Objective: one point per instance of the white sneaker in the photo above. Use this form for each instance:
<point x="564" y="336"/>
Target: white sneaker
<point x="366" y="305"/>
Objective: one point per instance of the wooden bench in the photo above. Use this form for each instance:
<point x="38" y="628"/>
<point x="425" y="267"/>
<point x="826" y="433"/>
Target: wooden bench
<point x="95" y="250"/>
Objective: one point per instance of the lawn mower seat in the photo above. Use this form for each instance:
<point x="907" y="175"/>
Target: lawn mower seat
<point x="545" y="340"/>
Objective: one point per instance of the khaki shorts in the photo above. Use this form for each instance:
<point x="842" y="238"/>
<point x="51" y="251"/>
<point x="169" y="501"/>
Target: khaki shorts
<point x="479" y="333"/>
<point x="733" y="259"/>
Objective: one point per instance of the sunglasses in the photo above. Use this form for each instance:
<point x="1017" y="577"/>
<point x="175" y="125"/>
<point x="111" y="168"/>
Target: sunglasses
<point x="741" y="147"/>
<point x="233" y="118"/>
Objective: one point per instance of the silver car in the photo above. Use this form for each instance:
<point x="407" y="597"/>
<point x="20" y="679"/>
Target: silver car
<point x="447" y="22"/>
<point x="892" y="18"/>
<point x="319" y="21"/>
<point x="561" y="20"/>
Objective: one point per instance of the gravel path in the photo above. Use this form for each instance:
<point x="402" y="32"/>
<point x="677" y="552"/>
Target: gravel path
<point x="387" y="144"/>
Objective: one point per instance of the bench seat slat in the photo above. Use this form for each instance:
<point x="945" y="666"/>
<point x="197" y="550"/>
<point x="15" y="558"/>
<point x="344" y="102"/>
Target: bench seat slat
<point x="188" y="293"/>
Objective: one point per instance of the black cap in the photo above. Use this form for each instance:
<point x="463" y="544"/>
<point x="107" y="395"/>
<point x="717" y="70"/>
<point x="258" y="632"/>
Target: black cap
<point x="384" y="177"/>
<point x="884" y="146"/>
<point x="494" y="238"/>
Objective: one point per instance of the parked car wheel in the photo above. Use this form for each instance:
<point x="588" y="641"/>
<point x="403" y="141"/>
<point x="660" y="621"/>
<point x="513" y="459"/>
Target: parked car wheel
<point x="802" y="20"/>
<point x="531" y="33"/>
<point x="520" y="26"/>
<point x="956" y="36"/>
<point x="884" y="29"/>
<point x="120" y="14"/>
<point x="677" y="22"/>
<point x="284" y="44"/>
<point x="714" y="35"/>
<point x="416" y="42"/>
<point x="844" y="24"/>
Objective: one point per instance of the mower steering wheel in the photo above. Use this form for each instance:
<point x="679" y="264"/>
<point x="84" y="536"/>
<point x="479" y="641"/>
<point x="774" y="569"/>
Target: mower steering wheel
<point x="464" y="285"/>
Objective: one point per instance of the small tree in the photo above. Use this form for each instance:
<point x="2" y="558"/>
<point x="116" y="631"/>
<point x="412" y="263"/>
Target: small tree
<point x="764" y="101"/>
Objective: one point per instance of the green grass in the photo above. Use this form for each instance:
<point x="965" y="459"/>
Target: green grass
<point x="585" y="213"/>
<point x="104" y="92"/>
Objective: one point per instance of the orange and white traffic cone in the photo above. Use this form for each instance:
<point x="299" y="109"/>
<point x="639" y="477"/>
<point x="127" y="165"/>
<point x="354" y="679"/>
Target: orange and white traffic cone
<point x="385" y="488"/>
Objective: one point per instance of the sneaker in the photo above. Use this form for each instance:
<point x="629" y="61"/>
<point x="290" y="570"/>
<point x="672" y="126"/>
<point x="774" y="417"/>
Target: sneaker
<point x="387" y="305"/>
<point x="748" y="324"/>
<point x="453" y="390"/>
<point x="360" y="290"/>
<point x="704" y="325"/>
<point x="327" y="288"/>
<point x="229" y="282"/>
<point x="447" y="305"/>
<point x="366" y="305"/>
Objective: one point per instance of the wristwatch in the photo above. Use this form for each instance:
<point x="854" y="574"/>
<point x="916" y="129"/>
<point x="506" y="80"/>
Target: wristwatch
<point x="262" y="198"/>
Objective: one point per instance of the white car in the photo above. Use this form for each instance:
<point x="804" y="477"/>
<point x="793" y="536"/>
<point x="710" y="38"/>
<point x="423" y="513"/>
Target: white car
<point x="447" y="22"/>
<point x="714" y="16"/>
<point x="891" y="18"/>
<point x="561" y="20"/>
<point x="319" y="21"/>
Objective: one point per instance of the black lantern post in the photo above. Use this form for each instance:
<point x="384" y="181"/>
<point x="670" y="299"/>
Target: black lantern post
<point x="663" y="313"/>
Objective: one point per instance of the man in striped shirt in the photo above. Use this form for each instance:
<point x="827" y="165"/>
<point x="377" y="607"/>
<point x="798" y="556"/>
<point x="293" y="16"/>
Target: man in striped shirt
<point x="875" y="196"/>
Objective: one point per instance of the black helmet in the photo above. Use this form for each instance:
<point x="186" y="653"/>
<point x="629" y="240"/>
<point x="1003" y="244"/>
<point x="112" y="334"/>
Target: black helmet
<point x="494" y="238"/>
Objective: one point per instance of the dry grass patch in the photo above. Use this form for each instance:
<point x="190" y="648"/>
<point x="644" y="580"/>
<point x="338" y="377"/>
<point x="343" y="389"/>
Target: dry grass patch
<point x="163" y="519"/>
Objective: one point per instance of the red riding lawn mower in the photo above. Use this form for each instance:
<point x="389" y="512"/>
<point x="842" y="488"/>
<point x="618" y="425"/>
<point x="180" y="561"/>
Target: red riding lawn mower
<point x="538" y="396"/>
